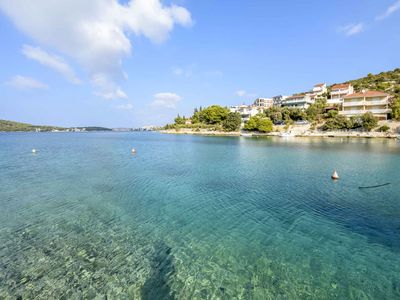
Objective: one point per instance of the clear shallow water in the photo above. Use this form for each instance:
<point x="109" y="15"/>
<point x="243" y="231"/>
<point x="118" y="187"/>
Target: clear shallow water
<point x="197" y="217"/>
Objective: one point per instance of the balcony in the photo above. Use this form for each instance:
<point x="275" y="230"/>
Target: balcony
<point x="361" y="111"/>
<point x="365" y="103"/>
<point x="334" y="101"/>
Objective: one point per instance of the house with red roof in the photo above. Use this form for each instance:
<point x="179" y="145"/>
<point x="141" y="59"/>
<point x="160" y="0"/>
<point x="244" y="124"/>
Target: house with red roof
<point x="319" y="89"/>
<point x="338" y="91"/>
<point x="375" y="102"/>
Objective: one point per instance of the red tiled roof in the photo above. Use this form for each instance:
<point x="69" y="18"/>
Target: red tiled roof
<point x="340" y="86"/>
<point x="319" y="85"/>
<point x="367" y="94"/>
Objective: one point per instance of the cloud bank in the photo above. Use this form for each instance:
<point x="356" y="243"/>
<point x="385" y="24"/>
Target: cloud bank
<point x="95" y="33"/>
<point x="52" y="61"/>
<point x="23" y="82"/>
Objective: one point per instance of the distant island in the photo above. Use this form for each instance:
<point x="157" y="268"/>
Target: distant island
<point x="25" y="127"/>
<point x="12" y="126"/>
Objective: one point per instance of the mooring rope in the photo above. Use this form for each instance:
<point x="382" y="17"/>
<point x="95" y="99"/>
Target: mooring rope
<point x="373" y="186"/>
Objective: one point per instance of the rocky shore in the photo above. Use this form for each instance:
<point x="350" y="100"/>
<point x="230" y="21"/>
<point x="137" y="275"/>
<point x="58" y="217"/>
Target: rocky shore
<point x="298" y="131"/>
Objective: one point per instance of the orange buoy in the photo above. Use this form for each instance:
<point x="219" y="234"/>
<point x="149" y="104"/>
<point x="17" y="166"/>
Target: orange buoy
<point x="335" y="175"/>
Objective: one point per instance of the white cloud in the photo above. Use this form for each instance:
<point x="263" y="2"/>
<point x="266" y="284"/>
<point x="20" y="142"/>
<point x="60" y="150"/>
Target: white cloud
<point x="95" y="33"/>
<point x="128" y="106"/>
<point x="23" y="82"/>
<point x="52" y="61"/>
<point x="389" y="11"/>
<point x="352" y="29"/>
<point x="106" y="88"/>
<point x="166" y="100"/>
<point x="243" y="93"/>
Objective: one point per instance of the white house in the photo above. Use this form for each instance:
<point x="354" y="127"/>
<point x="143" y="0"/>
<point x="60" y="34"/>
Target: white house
<point x="264" y="102"/>
<point x="247" y="111"/>
<point x="301" y="101"/>
<point x="366" y="101"/>
<point x="277" y="100"/>
<point x="338" y="91"/>
<point x="320" y="89"/>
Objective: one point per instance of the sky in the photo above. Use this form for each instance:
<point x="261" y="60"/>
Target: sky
<point x="133" y="63"/>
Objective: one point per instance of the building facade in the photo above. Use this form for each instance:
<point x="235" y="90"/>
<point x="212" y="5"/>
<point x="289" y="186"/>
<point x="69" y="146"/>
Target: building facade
<point x="264" y="102"/>
<point x="320" y="89"/>
<point x="277" y="100"/>
<point x="338" y="92"/>
<point x="366" y="101"/>
<point x="302" y="101"/>
<point x="247" y="111"/>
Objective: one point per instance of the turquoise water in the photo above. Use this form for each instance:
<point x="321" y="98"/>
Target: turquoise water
<point x="192" y="217"/>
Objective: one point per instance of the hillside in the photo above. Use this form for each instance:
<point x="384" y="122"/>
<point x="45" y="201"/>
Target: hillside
<point x="17" y="126"/>
<point x="388" y="82"/>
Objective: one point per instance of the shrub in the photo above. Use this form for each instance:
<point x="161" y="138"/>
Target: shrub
<point x="260" y="124"/>
<point x="265" y="125"/>
<point x="232" y="122"/>
<point x="384" y="128"/>
<point x="339" y="122"/>
<point x="368" y="121"/>
<point x="395" y="106"/>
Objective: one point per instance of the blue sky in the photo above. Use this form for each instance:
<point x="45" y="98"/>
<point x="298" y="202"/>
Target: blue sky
<point x="134" y="63"/>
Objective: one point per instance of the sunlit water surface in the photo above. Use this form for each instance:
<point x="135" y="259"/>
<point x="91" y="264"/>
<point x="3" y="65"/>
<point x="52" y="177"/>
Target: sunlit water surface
<point x="192" y="217"/>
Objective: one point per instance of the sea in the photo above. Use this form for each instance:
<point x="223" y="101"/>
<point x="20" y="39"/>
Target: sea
<point x="196" y="217"/>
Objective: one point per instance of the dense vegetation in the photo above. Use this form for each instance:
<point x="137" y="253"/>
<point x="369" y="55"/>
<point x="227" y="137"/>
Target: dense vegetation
<point x="214" y="117"/>
<point x="317" y="113"/>
<point x="259" y="123"/>
<point x="17" y="126"/>
<point x="388" y="82"/>
<point x="366" y="122"/>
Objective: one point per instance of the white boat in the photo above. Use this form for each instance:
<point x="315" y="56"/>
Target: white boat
<point x="287" y="134"/>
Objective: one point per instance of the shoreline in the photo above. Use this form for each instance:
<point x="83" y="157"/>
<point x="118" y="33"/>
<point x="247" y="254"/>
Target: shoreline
<point x="330" y="134"/>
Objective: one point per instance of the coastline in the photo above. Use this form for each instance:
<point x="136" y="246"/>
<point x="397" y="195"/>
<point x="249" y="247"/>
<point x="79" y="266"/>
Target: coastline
<point x="297" y="133"/>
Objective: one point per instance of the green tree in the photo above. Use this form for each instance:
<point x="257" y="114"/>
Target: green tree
<point x="259" y="123"/>
<point x="274" y="113"/>
<point x="214" y="114"/>
<point x="339" y="122"/>
<point x="355" y="122"/>
<point x="316" y="110"/>
<point x="296" y="114"/>
<point x="331" y="113"/>
<point x="232" y="122"/>
<point x="395" y="106"/>
<point x="264" y="125"/>
<point x="252" y="123"/>
<point x="369" y="121"/>
<point x="179" y="120"/>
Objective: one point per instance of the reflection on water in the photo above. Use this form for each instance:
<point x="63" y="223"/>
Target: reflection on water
<point x="197" y="217"/>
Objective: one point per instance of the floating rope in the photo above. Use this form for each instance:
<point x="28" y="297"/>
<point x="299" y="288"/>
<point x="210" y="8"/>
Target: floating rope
<point x="373" y="186"/>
